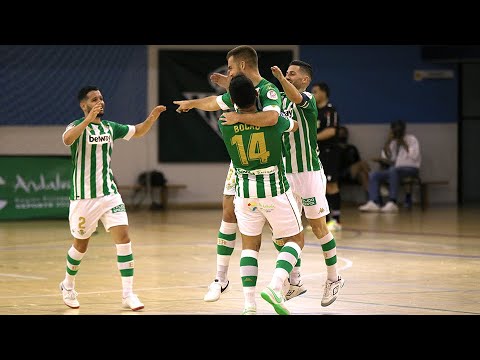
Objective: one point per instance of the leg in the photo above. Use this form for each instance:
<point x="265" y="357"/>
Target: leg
<point x="250" y="224"/>
<point x="359" y="171"/>
<point x="293" y="286"/>
<point x="74" y="258"/>
<point x="375" y="178"/>
<point x="286" y="260"/>
<point x="83" y="220"/>
<point x="393" y="184"/>
<point x="395" y="176"/>
<point x="333" y="158"/>
<point x="286" y="221"/>
<point x="226" y="239"/>
<point x="334" y="281"/>
<point x="125" y="265"/>
<point x="249" y="271"/>
<point x="115" y="221"/>
<point x="334" y="201"/>
<point x="316" y="215"/>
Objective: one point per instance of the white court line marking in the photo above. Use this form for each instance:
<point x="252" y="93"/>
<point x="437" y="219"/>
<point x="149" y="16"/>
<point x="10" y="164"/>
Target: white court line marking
<point x="348" y="264"/>
<point x="105" y="292"/>
<point x="23" y="276"/>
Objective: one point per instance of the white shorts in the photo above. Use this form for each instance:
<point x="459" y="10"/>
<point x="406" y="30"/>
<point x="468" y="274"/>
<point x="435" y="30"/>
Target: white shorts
<point x="229" y="188"/>
<point x="85" y="213"/>
<point x="281" y="212"/>
<point x="309" y="189"/>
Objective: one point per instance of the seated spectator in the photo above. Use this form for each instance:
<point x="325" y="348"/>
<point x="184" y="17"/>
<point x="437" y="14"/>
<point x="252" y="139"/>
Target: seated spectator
<point x="352" y="168"/>
<point x="401" y="158"/>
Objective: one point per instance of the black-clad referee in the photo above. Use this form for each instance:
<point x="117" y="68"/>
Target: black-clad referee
<point x="327" y="138"/>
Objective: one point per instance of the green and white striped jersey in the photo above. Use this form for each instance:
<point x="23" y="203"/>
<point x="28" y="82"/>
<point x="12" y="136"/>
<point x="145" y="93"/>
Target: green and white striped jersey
<point x="268" y="98"/>
<point x="300" y="147"/>
<point x="256" y="153"/>
<point x="92" y="176"/>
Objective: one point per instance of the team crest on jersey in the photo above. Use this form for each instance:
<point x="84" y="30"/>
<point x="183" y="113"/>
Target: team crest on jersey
<point x="272" y="95"/>
<point x="309" y="201"/>
<point x="253" y="206"/>
<point x="118" y="208"/>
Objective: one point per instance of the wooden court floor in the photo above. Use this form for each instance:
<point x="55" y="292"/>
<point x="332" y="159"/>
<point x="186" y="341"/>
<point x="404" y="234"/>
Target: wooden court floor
<point x="416" y="263"/>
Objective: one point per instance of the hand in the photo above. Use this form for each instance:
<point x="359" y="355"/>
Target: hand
<point x="96" y="109"/>
<point x="277" y="72"/>
<point x="220" y="80"/>
<point x="402" y="142"/>
<point x="183" y="105"/>
<point x="157" y="111"/>
<point x="230" y="118"/>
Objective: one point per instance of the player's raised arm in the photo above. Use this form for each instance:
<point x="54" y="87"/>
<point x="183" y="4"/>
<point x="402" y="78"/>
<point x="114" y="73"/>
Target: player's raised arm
<point x="290" y="90"/>
<point x="208" y="103"/>
<point x="145" y="126"/>
<point x="74" y="133"/>
<point x="220" y="80"/>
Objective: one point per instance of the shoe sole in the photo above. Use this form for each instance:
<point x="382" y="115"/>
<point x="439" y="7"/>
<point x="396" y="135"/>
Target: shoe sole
<point x="61" y="290"/>
<point x="72" y="307"/>
<point x="126" y="307"/>
<point x="291" y="297"/>
<point x="227" y="288"/>
<point x="278" y="309"/>
<point x="335" y="298"/>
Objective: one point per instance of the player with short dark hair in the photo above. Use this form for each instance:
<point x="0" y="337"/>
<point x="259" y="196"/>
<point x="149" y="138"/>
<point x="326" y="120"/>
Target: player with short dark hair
<point x="262" y="194"/>
<point x="94" y="194"/>
<point x="305" y="173"/>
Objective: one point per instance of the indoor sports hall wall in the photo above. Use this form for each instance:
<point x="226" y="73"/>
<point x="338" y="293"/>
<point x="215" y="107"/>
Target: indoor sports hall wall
<point x="371" y="85"/>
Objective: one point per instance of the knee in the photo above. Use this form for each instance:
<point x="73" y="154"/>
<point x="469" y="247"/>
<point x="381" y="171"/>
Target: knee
<point x="228" y="209"/>
<point x="80" y="245"/>
<point x="228" y="215"/>
<point x="124" y="239"/>
<point x="320" y="229"/>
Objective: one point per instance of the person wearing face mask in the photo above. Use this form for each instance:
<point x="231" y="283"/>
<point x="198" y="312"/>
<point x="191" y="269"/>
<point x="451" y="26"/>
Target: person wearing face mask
<point x="352" y="168"/>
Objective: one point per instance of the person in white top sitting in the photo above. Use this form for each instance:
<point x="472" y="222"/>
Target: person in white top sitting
<point x="400" y="158"/>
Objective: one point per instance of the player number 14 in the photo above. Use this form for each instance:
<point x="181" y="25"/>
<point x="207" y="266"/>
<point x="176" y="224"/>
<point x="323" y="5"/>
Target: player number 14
<point x="256" y="149"/>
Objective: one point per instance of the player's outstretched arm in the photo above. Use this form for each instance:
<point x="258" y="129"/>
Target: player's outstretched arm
<point x="208" y="103"/>
<point x="262" y="118"/>
<point x="144" y="127"/>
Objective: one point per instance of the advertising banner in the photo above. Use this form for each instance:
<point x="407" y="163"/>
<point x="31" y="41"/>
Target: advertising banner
<point x="34" y="187"/>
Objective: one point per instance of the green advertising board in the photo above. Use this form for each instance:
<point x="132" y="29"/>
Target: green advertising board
<point x="33" y="187"/>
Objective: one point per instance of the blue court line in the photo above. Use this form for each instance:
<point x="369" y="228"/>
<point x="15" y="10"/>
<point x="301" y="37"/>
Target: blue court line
<point x="414" y="233"/>
<point x="418" y="253"/>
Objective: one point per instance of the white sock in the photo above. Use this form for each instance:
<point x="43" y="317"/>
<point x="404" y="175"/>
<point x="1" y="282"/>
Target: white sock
<point x="76" y="256"/>
<point x="125" y="264"/>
